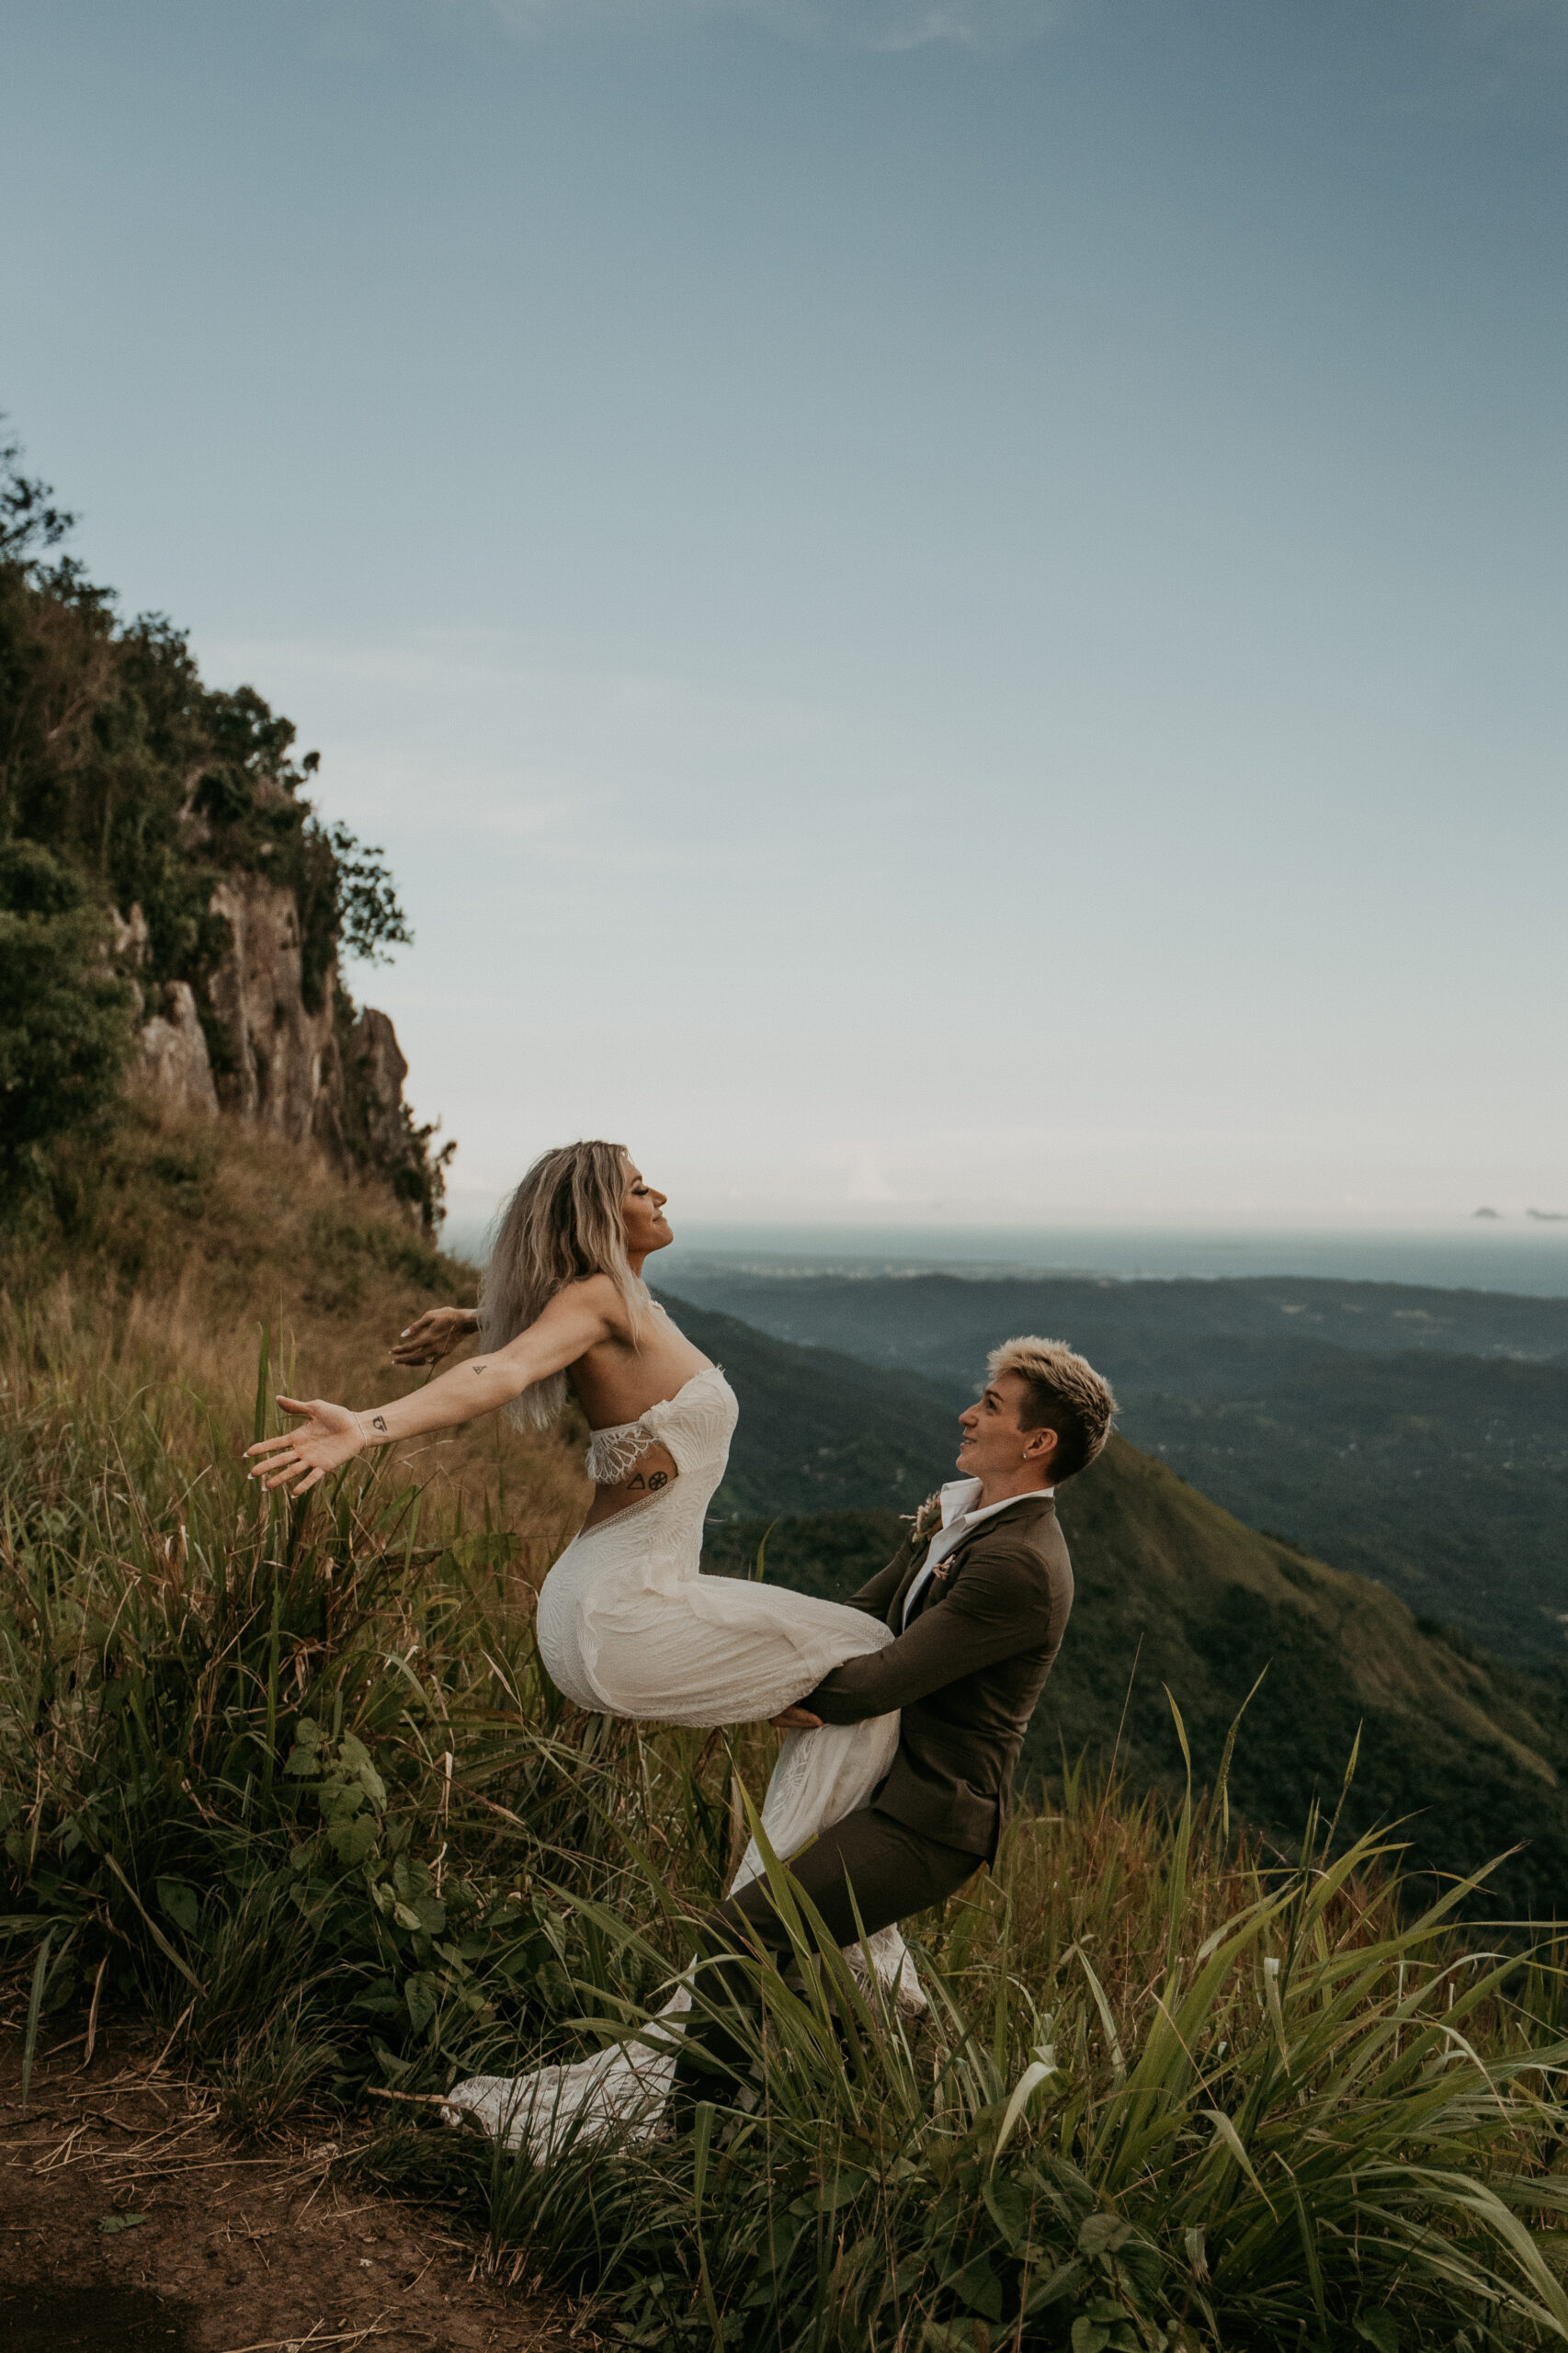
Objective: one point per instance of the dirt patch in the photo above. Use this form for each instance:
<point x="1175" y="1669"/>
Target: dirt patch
<point x="130" y="2222"/>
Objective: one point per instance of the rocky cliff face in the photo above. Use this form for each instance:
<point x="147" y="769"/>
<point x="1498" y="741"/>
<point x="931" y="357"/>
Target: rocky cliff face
<point x="281" y="1068"/>
<point x="171" y="1060"/>
<point x="253" y="1049"/>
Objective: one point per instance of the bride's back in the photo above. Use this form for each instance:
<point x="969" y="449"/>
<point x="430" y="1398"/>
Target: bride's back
<point x="620" y="1378"/>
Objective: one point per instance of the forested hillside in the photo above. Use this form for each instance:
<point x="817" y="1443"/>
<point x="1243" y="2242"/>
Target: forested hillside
<point x="819" y="1431"/>
<point x="1174" y="1596"/>
<point x="172" y="904"/>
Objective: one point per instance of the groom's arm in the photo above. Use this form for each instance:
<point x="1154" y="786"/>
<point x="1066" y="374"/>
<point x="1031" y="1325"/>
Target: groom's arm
<point x="999" y="1605"/>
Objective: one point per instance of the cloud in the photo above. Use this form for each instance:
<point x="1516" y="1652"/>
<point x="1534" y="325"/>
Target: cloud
<point x="1472" y="55"/>
<point x="888" y="26"/>
<point x="1518" y="34"/>
<point x="866" y="1182"/>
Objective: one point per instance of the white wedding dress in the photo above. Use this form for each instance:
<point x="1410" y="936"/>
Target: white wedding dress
<point x="629" y="1625"/>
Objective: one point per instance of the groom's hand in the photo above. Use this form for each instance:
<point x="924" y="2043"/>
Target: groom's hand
<point x="795" y="1719"/>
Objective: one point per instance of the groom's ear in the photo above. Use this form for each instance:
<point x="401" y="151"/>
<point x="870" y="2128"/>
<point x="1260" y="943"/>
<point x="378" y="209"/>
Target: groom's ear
<point x="1041" y="1444"/>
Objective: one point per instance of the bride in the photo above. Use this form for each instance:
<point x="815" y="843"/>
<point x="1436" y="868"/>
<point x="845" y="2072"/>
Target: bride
<point x="627" y="1623"/>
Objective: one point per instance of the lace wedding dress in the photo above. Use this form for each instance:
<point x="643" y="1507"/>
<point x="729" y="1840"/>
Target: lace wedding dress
<point x="628" y="1625"/>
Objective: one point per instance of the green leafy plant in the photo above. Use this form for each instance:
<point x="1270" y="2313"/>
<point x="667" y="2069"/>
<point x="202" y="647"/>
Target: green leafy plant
<point x="64" y="1015"/>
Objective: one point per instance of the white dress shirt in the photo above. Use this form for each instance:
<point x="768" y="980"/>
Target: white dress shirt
<point x="959" y="1516"/>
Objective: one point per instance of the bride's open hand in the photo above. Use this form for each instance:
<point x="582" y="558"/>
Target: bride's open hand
<point x="301" y="1459"/>
<point x="434" y="1336"/>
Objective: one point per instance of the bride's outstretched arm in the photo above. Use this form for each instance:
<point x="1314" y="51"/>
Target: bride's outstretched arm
<point x="572" y="1324"/>
<point x="435" y="1334"/>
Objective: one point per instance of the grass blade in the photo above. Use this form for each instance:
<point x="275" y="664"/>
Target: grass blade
<point x="34" y="2009"/>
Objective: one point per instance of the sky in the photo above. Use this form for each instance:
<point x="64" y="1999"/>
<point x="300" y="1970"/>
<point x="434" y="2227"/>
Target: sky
<point x="946" y="611"/>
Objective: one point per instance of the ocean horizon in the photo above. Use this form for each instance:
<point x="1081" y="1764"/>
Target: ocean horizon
<point x="1528" y="1259"/>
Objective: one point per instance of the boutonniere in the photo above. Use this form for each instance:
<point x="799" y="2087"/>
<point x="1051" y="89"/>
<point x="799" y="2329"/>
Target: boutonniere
<point x="924" y="1523"/>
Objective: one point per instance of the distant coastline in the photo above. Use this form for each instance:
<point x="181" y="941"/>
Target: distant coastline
<point x="1530" y="1259"/>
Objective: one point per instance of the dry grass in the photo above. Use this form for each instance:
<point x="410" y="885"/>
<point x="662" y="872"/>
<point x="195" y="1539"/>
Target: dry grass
<point x="296" y="1778"/>
<point x="191" y="1238"/>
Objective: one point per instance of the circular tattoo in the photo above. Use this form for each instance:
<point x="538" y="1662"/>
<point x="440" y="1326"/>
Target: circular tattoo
<point x="660" y="1479"/>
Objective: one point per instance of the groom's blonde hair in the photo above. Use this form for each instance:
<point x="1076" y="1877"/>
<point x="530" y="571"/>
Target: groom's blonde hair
<point x="564" y="1221"/>
<point x="1064" y="1393"/>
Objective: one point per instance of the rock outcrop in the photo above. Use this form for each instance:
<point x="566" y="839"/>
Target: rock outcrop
<point x="283" y="1069"/>
<point x="256" y="1050"/>
<point x="375" y="1070"/>
<point x="171" y="1060"/>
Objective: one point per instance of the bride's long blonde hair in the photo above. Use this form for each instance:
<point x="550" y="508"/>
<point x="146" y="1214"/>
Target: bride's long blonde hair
<point x="564" y="1222"/>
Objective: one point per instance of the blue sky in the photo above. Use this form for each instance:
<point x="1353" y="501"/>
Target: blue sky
<point x="946" y="611"/>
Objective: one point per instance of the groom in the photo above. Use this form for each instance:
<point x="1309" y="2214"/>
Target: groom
<point x="977" y="1597"/>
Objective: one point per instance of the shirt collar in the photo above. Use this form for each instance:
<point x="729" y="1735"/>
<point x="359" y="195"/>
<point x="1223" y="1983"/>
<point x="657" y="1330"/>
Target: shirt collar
<point x="959" y="1497"/>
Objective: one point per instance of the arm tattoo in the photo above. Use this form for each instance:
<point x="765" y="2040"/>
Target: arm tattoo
<point x="378" y="1422"/>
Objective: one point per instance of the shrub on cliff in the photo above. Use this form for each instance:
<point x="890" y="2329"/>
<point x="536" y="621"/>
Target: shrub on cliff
<point x="150" y="785"/>
<point x="65" y="1017"/>
<point x="141" y="787"/>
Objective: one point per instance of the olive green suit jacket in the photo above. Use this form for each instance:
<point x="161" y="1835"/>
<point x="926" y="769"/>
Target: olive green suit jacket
<point x="965" y="1675"/>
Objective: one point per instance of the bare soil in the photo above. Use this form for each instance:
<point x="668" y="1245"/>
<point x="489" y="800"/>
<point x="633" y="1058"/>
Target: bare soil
<point x="130" y="2222"/>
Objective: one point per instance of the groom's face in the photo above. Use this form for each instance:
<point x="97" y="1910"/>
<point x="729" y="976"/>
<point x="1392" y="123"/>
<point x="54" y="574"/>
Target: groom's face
<point x="994" y="1446"/>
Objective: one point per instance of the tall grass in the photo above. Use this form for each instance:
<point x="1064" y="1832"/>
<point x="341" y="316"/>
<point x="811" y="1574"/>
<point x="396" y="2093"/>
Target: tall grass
<point x="293" y="1780"/>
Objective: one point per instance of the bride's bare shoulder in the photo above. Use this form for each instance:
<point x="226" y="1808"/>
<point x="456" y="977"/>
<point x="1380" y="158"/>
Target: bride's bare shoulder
<point x="598" y="1295"/>
<point x="587" y="1295"/>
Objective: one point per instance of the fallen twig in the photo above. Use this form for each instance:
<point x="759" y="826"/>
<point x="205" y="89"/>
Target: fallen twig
<point x="175" y="2036"/>
<point x="60" y="2153"/>
<point x="300" y="2344"/>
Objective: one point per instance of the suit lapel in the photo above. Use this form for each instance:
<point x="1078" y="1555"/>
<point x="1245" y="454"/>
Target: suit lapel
<point x="944" y="1578"/>
<point x="895" y="1611"/>
<point x="940" y="1578"/>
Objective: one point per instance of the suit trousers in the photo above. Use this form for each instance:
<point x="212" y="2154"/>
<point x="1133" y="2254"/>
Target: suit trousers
<point x="891" y="1871"/>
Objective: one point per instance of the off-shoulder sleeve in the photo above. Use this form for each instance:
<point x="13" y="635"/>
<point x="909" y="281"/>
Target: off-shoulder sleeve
<point x="694" y="1425"/>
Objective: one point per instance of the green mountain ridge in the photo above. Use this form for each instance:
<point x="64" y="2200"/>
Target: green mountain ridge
<point x="1173" y="1594"/>
<point x="1414" y="1435"/>
<point x="914" y="1319"/>
<point x="818" y="1431"/>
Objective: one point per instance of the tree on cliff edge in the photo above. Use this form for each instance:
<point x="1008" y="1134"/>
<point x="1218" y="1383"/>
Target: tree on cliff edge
<point x="125" y="782"/>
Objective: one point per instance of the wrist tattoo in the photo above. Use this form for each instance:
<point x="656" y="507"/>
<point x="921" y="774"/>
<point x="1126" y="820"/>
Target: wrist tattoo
<point x="378" y="1422"/>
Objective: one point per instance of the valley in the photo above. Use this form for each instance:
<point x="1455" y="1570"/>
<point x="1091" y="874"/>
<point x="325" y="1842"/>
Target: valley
<point x="1174" y="1596"/>
<point x="1417" y="1437"/>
